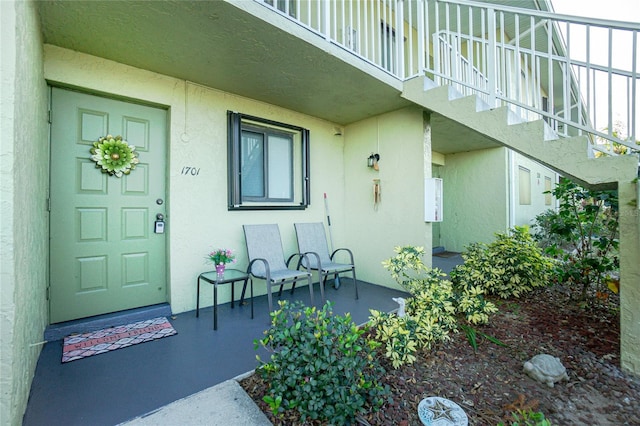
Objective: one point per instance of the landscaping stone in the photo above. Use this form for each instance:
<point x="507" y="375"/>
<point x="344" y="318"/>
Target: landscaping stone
<point x="546" y="369"/>
<point x="436" y="411"/>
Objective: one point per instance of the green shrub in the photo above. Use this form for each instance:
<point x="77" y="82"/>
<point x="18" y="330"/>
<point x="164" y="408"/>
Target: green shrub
<point x="321" y="365"/>
<point x="408" y="269"/>
<point x="528" y="418"/>
<point x="511" y="265"/>
<point x="583" y="234"/>
<point x="397" y="334"/>
<point x="543" y="232"/>
<point x="430" y="317"/>
<point x="432" y="312"/>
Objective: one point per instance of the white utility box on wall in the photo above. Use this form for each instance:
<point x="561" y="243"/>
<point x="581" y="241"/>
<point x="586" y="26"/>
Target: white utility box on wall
<point x="433" y="200"/>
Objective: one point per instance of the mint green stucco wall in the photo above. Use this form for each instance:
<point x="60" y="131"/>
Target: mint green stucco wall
<point x="630" y="276"/>
<point x="475" y="187"/>
<point x="524" y="214"/>
<point x="23" y="216"/>
<point x="197" y="218"/>
<point x="401" y="139"/>
<point x="338" y="168"/>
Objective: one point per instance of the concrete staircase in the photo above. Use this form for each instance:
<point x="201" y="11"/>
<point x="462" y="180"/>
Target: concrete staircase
<point x="568" y="156"/>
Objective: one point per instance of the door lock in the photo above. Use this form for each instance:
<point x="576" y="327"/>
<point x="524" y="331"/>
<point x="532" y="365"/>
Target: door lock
<point x="159" y="224"/>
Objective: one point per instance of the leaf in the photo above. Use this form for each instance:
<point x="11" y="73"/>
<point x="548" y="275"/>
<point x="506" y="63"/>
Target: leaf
<point x="494" y="340"/>
<point x="471" y="337"/>
<point x="613" y="285"/>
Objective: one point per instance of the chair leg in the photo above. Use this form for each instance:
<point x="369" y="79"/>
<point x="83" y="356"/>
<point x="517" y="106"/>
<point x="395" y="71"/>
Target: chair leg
<point x="244" y="288"/>
<point x="293" y="287"/>
<point x="355" y="282"/>
<point x="310" y="289"/>
<point x="324" y="280"/>
<point x="269" y="297"/>
<point x="321" y="283"/>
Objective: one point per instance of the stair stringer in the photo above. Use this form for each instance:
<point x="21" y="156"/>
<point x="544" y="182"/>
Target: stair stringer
<point x="568" y="156"/>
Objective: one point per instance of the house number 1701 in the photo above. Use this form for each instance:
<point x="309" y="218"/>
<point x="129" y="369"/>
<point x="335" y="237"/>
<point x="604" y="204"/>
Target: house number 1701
<point x="193" y="171"/>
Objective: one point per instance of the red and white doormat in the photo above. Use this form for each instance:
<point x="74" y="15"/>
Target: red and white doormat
<point x="78" y="346"/>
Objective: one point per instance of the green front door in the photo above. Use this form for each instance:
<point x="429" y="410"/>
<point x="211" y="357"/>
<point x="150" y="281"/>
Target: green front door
<point x="104" y="253"/>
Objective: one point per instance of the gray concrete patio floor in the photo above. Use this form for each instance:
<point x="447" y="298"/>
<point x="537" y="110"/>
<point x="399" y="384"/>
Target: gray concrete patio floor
<point x="186" y="379"/>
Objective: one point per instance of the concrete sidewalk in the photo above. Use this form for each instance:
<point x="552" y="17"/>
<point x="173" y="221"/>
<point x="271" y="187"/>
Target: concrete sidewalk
<point x="225" y="404"/>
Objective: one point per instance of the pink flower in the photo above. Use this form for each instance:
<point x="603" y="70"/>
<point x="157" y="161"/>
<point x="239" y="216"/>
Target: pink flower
<point x="221" y="256"/>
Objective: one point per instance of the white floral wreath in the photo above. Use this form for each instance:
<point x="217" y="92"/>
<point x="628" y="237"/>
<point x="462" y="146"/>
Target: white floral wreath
<point x="114" y="155"/>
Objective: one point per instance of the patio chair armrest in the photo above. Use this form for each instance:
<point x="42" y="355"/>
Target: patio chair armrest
<point x="317" y="257"/>
<point x="267" y="270"/>
<point x="343" y="249"/>
<point x="301" y="256"/>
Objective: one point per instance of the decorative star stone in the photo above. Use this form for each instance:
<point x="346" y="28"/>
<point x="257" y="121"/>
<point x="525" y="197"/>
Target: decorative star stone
<point x="441" y="411"/>
<point x="437" y="411"/>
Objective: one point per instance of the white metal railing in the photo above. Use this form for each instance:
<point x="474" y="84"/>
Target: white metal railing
<point x="581" y="75"/>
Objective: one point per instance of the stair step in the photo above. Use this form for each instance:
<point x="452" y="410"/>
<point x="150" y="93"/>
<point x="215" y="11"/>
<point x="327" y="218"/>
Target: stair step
<point x="534" y="139"/>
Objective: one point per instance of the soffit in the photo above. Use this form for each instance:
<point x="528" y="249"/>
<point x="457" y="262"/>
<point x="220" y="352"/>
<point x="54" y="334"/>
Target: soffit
<point x="449" y="136"/>
<point x="227" y="47"/>
<point x="240" y="48"/>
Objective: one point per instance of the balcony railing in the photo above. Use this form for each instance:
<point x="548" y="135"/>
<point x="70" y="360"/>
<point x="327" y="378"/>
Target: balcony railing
<point x="581" y="75"/>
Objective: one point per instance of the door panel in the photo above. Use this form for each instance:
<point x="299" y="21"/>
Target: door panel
<point x="105" y="256"/>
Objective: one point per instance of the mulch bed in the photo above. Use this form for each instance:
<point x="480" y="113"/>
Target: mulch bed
<point x="490" y="383"/>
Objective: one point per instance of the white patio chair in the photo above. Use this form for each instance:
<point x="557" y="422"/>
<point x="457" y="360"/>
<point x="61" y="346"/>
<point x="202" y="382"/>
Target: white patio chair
<point x="312" y="241"/>
<point x="266" y="261"/>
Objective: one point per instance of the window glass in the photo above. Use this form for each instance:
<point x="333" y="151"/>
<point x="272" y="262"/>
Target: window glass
<point x="252" y="165"/>
<point x="388" y="43"/>
<point x="286" y="6"/>
<point x="280" y="167"/>
<point x="548" y="197"/>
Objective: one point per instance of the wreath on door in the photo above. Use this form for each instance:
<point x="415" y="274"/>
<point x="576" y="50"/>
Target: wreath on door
<point x="114" y="155"/>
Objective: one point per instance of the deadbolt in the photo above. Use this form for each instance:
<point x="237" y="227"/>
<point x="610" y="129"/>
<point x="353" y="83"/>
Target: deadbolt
<point x="159" y="201"/>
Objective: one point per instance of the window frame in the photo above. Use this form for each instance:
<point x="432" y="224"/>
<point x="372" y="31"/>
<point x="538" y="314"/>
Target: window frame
<point x="266" y="134"/>
<point x="548" y="196"/>
<point x="524" y="186"/>
<point x="236" y="122"/>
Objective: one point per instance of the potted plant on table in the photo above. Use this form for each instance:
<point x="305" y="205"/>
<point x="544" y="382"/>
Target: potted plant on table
<point x="220" y="257"/>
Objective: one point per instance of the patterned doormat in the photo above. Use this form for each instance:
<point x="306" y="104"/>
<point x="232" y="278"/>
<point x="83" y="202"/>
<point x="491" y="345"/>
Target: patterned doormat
<point x="78" y="346"/>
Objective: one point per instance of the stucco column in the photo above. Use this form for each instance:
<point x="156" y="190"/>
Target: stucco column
<point x="629" y="278"/>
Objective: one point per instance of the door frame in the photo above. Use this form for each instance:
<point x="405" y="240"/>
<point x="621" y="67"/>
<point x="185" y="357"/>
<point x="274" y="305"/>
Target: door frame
<point x="167" y="198"/>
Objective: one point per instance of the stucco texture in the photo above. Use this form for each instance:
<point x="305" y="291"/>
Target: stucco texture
<point x="475" y="197"/>
<point x="398" y="219"/>
<point x="630" y="277"/>
<point x="24" y="226"/>
<point x="523" y="214"/>
<point x="198" y="219"/>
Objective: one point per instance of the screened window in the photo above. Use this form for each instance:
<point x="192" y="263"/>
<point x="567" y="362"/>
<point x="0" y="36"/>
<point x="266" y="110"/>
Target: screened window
<point x="286" y="6"/>
<point x="268" y="164"/>
<point x="388" y="46"/>
<point x="524" y="185"/>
